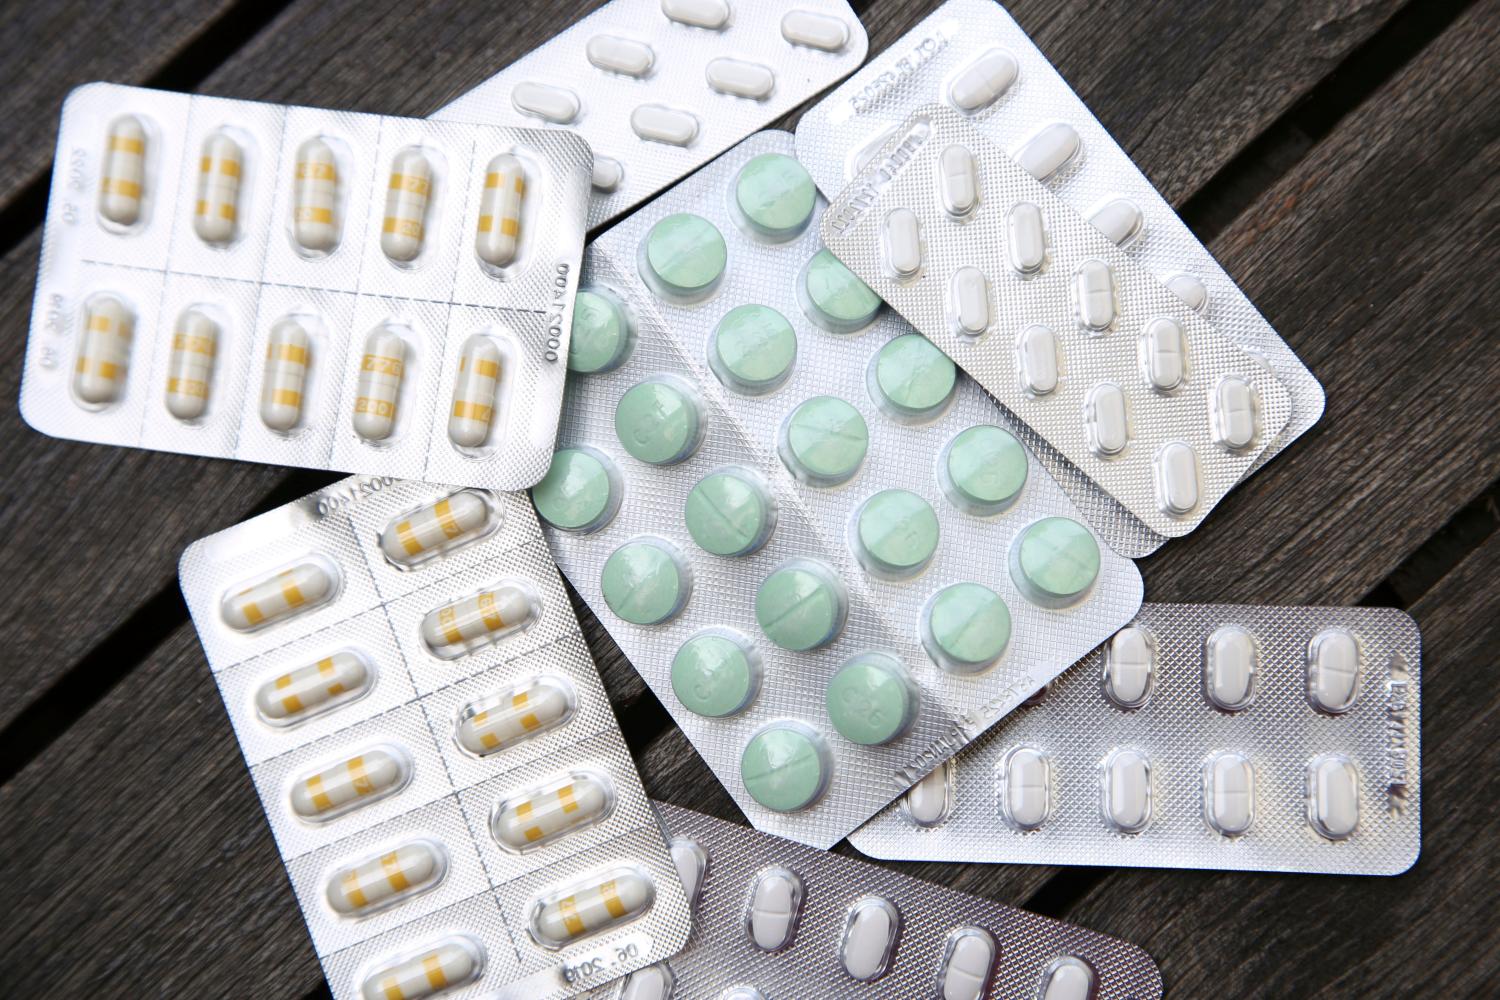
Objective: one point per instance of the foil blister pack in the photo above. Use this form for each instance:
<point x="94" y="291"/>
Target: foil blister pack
<point x="1201" y="736"/>
<point x="810" y="533"/>
<point x="435" y="754"/>
<point x="660" y="87"/>
<point x="304" y="287"/>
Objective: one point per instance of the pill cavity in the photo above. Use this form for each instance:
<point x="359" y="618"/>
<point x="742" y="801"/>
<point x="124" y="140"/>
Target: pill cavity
<point x="968" y="962"/>
<point x="785" y="766"/>
<point x="1126" y="781"/>
<point x="352" y="782"/>
<point x="497" y="237"/>
<point x="1026" y="788"/>
<point x="514" y="715"/>
<point x="740" y="78"/>
<point x="775" y="904"/>
<point x="1094" y="294"/>
<point x="654" y="982"/>
<point x="412" y="538"/>
<point x="389" y="878"/>
<point x="896" y="534"/>
<point x="983" y="470"/>
<point x="659" y="421"/>
<point x="1068" y="978"/>
<point x="823" y="441"/>
<point x="447" y="965"/>
<point x="1174" y="473"/>
<point x="316" y="225"/>
<point x="969" y="301"/>
<point x="314" y="688"/>
<point x="1333" y="796"/>
<point x="902" y="239"/>
<point x="912" y="379"/>
<point x="982" y="82"/>
<point x="458" y="627"/>
<point x="580" y="492"/>
<point x="404" y="228"/>
<point x="752" y="350"/>
<point x="475" y="387"/>
<point x="103" y="351"/>
<point x="288" y="359"/>
<point x="1230" y="656"/>
<point x="591" y="907"/>
<point x="775" y="196"/>
<point x="216" y="210"/>
<point x="1332" y="670"/>
<point x="607" y="174"/>
<point x="691" y="861"/>
<point x="190" y="366"/>
<point x="659" y="123"/>
<point x="871" y="700"/>
<point x="1164" y="353"/>
<point x="620" y="55"/>
<point x="278" y="597"/>
<point x="378" y="388"/>
<point x="600" y="338"/>
<point x="683" y="257"/>
<point x="816" y="31"/>
<point x="801" y="605"/>
<point x="1120" y="220"/>
<point x="646" y="581"/>
<point x="1106" y="419"/>
<point x="965" y="627"/>
<point x="1047" y="152"/>
<point x="1054" y="562"/>
<point x="958" y="180"/>
<point x="1190" y="290"/>
<point x="1233" y="412"/>
<point x="716" y="674"/>
<point x="710" y="14"/>
<point x="1026" y="238"/>
<point x="928" y="801"/>
<point x="557" y="105"/>
<point x="1037" y="351"/>
<point x="1229" y="793"/>
<point x="834" y="297"/>
<point x="542" y="815"/>
<point x="869" y="938"/>
<point x="1129" y="667"/>
<point x="730" y="513"/>
<point x="122" y="177"/>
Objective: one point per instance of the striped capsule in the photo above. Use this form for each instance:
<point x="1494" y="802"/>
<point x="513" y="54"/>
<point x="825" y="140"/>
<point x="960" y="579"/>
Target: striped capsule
<point x="406" y="197"/>
<point x="103" y="350"/>
<point x="622" y="895"/>
<point x="288" y="355"/>
<point x="381" y="881"/>
<point x="538" y="816"/>
<point x="450" y="964"/>
<point x="190" y="367"/>
<point x="270" y="600"/>
<point x="122" y="181"/>
<point x="379" y="386"/>
<point x="474" y="392"/>
<point x="456" y="628"/>
<point x="315" y="193"/>
<point x="500" y="211"/>
<point x="216" y="214"/>
<point x="362" y="778"/>
<point x="517" y="714"/>
<point x="427" y="531"/>
<point x="316" y="687"/>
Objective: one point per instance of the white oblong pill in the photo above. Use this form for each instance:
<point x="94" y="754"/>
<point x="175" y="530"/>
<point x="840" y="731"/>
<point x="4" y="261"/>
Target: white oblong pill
<point x="1106" y="419"/>
<point x="1174" y="473"/>
<point x="902" y="236"/>
<point x="513" y="716"/>
<point x="316" y="687"/>
<point x="1164" y="353"/>
<point x="1026" y="792"/>
<point x="474" y="390"/>
<point x="1068" y="978"/>
<point x="1129" y="667"/>
<point x="1332" y="670"/>
<point x="1190" y="290"/>
<point x="360" y="779"/>
<point x="403" y="228"/>
<point x="654" y="982"/>
<point x="103" y="350"/>
<point x="1094" y="292"/>
<point x="448" y="965"/>
<point x="1229" y="665"/>
<point x="740" y="78"/>
<point x="774" y="902"/>
<point x="658" y="123"/>
<point x="969" y="299"/>
<point x="217" y="208"/>
<point x="288" y="357"/>
<point x="1233" y="412"/>
<point x="958" y="180"/>
<point x="497" y="238"/>
<point x="1026" y="238"/>
<point x="1229" y="793"/>
<point x="1037" y="352"/>
<point x="557" y="105"/>
<point x="1333" y="796"/>
<point x="620" y="55"/>
<point x="1120" y="220"/>
<point x="378" y="388"/>
<point x="593" y="907"/>
<point x="122" y="178"/>
<point x="380" y="881"/>
<point x="869" y="938"/>
<point x="710" y="14"/>
<point x="290" y="592"/>
<point x="420" y="534"/>
<point x="968" y="960"/>
<point x="927" y="801"/>
<point x="316" y="225"/>
<point x="190" y="366"/>
<point x="816" y="31"/>
<point x="983" y="81"/>
<point x="1047" y="152"/>
<point x="607" y="174"/>
<point x="1127" y="790"/>
<point x="462" y="626"/>
<point x="539" y="816"/>
<point x="691" y="861"/>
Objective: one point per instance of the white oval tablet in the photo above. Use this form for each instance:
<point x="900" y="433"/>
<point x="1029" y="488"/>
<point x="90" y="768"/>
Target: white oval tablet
<point x="981" y="82"/>
<point x="1229" y="793"/>
<point x="1174" y="472"/>
<point x="607" y="174"/>
<point x="1106" y="420"/>
<point x="869" y="938"/>
<point x="1332" y="670"/>
<point x="1229" y="662"/>
<point x="554" y="104"/>
<point x="773" y="908"/>
<point x="1025" y="796"/>
<point x="1333" y="795"/>
<point x="969" y="300"/>
<point x="958" y="180"/>
<point x="1127" y="790"/>
<point x="1037" y="348"/>
<point x="902" y="237"/>
<point x="620" y="55"/>
<point x="1047" y="152"/>
<point x="1068" y="978"/>
<point x="1026" y="238"/>
<point x="1164" y="354"/>
<point x="691" y="861"/>
<point x="654" y="982"/>
<point x="968" y="960"/>
<point x="710" y="14"/>
<point x="1233" y="412"/>
<point x="656" y="123"/>
<point x="816" y="31"/>
<point x="740" y="78"/>
<point x="1120" y="221"/>
<point x="1190" y="290"/>
<point x="1094" y="290"/>
<point x="1129" y="667"/>
<point x="927" y="800"/>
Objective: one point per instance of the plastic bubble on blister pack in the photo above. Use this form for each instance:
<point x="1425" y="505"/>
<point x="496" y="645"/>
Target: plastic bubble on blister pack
<point x="1200" y="736"/>
<point x="431" y="743"/>
<point x="304" y="287"/>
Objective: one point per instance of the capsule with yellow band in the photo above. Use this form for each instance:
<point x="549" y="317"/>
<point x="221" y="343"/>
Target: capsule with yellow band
<point x="404" y="229"/>
<point x="386" y="879"/>
<point x="315" y="198"/>
<point x="288" y="357"/>
<point x="357" y="780"/>
<point x="514" y="715"/>
<point x="598" y="904"/>
<point x="190" y="367"/>
<point x="314" y="688"/>
<point x="538" y="816"/>
<point x="499" y="235"/>
<point x="412" y="538"/>
<point x="445" y="965"/>
<point x="474" y="392"/>
<point x="216" y="212"/>
<point x="378" y="389"/>
<point x="103" y="350"/>
<point x="465" y="625"/>
<point x="274" y="598"/>
<point x="122" y="177"/>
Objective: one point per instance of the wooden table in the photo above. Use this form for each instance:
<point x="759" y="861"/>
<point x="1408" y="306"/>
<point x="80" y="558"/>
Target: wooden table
<point x="1339" y="156"/>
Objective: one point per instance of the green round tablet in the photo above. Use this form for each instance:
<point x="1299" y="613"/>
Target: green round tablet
<point x="775" y="194"/>
<point x="836" y="299"/>
<point x="685" y="255"/>
<point x="824" y="440"/>
<point x="753" y="348"/>
<point x="984" y="469"/>
<point x="870" y="701"/>
<point x="967" y="627"/>
<point x="729" y="513"/>
<point x="897" y="532"/>
<point x="913" y="377"/>
<point x="713" y="675"/>
<point x="1054" y="561"/>
<point x="577" y="493"/>
<point x="783" y="768"/>
<point x="644" y="582"/>
<point x="801" y="606"/>
<point x="658" y="422"/>
<point x="600" y="333"/>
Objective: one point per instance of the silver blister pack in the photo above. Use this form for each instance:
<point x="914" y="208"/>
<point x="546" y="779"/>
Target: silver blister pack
<point x="775" y="919"/>
<point x="772" y="547"/>
<point x="1201" y="736"/>
<point x="445" y="779"/>
<point x="660" y="87"/>
<point x="303" y="287"/>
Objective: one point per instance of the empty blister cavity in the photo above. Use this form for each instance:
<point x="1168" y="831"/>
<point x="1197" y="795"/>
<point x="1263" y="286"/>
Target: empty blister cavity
<point x="823" y="441"/>
<point x="1125" y="790"/>
<point x="1054" y="562"/>
<point x="122" y="174"/>
<point x="350" y="783"/>
<point x="965" y="627"/>
<point x="730" y="512"/>
<point x="216" y="210"/>
<point x="968" y="964"/>
<point x="1025" y="788"/>
<point x="646" y="581"/>
<point x="785" y="766"/>
<point x="555" y="105"/>
<point x="476" y="392"/>
<point x="911" y="379"/>
<point x="683" y="258"/>
<point x="982" y="81"/>
<point x="1106" y="417"/>
<point x="895" y="534"/>
<point x="969" y="302"/>
<point x="833" y="297"/>
<point x="387" y="879"/>
<point x="659" y="421"/>
<point x="1025" y="238"/>
<point x="1120" y="220"/>
<point x="1234" y="413"/>
<point x="1229" y="793"/>
<point x="716" y="674"/>
<point x="458" y="627"/>
<point x="382" y="367"/>
<point x="801" y="605"/>
<point x="1129" y="667"/>
<point x="775" y="908"/>
<point x="317" y="222"/>
<point x="814" y="30"/>
<point x="1068" y="978"/>
<point x="1038" y="352"/>
<point x="753" y="349"/>
<point x="601" y="336"/>
<point x="543" y="814"/>
<point x="256" y="604"/>
<point x="431" y="530"/>
<point x="958" y="180"/>
<point x="659" y="123"/>
<point x="1230" y="658"/>
<point x="403" y="229"/>
<point x="580" y="492"/>
<point x="497" y="237"/>
<point x="1047" y="152"/>
<point x="591" y="906"/>
<point x="625" y="56"/>
<point x="928" y="802"/>
<point x="449" y="964"/>
<point x="103" y="350"/>
<point x="1333" y="658"/>
<point x="283" y="387"/>
<point x="1164" y="354"/>
<point x="1333" y="796"/>
<point x="190" y="366"/>
<point x="870" y="933"/>
<point x="902" y="242"/>
<point x="983" y="470"/>
<point x="514" y="715"/>
<point x="314" y="688"/>
<point x="1094" y="296"/>
<point x="872" y="700"/>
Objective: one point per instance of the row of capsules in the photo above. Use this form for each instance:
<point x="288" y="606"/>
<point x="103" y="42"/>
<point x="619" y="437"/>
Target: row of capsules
<point x="353" y="689"/>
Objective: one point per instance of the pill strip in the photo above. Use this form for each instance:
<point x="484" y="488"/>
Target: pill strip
<point x="850" y="928"/>
<point x="660" y="87"/>
<point x="453" y="801"/>
<point x="306" y="287"/>
<point x="1089" y="349"/>
<point x="973" y="55"/>
<point x="1202" y="736"/>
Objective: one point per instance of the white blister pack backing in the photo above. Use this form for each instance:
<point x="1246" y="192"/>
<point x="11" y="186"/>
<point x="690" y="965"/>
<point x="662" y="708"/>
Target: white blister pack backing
<point x="660" y="87"/>
<point x="446" y="782"/>
<point x="1201" y="736"/>
<point x="973" y="55"/>
<point x="304" y="287"/>
<point x="774" y="919"/>
<point x="1079" y="341"/>
<point x="761" y="510"/>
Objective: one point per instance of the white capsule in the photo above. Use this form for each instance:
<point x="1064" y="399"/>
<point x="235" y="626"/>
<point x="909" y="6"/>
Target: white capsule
<point x="691" y="861"/>
<point x="958" y="180"/>
<point x="1333" y="796"/>
<point x="983" y="81"/>
<point x="378" y="389"/>
<point x="499" y="232"/>
<point x="1126" y="790"/>
<point x="658" y="123"/>
<point x="539" y="816"/>
<point x="557" y="105"/>
<point x="869" y="938"/>
<point x="315" y="194"/>
<point x="969" y="300"/>
<point x="456" y="628"/>
<point x="1332" y="670"/>
<point x="775" y="902"/>
<point x="1036" y="349"/>
<point x="607" y="174"/>
<point x="623" y="896"/>
<point x="710" y="14"/>
<point x="1164" y="354"/>
<point x="902" y="236"/>
<point x="449" y="965"/>
<point x="1121" y="221"/>
<point x="1174" y="474"/>
<point x="1229" y="666"/>
<point x="1068" y="978"/>
<point x="393" y="876"/>
<point x="1026" y="788"/>
<point x="1233" y="413"/>
<point x="620" y="55"/>
<point x="406" y="197"/>
<point x="190" y="366"/>
<point x="740" y="78"/>
<point x="512" y="716"/>
<point x="654" y="982"/>
<point x="1026" y="238"/>
<point x="122" y="178"/>
<point x="361" y="778"/>
<point x="816" y="31"/>
<point x="474" y="392"/>
<point x="1106" y="419"/>
<point x="1129" y="667"/>
<point x="1190" y="290"/>
<point x="926" y="802"/>
<point x="1047" y="152"/>
<point x="103" y="350"/>
<point x="1094" y="290"/>
<point x="316" y="687"/>
<point x="216" y="212"/>
<point x="968" y="960"/>
<point x="264" y="602"/>
<point x="421" y="534"/>
<point x="1229" y="793"/>
<point x="288" y="357"/>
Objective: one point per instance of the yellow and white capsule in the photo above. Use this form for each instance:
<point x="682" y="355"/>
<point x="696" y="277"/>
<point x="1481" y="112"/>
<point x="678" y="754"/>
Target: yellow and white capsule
<point x="406" y="197"/>
<point x="474" y="392"/>
<point x="123" y="178"/>
<point x="379" y="387"/>
<point x="216" y="214"/>
<point x="493" y="724"/>
<point x="190" y="368"/>
<point x="360" y="779"/>
<point x="316" y="687"/>
<point x="270" y="600"/>
<point x="379" y="882"/>
<point x="456" y="628"/>
<point x="450" y="964"/>
<point x="103" y="350"/>
<point x="499" y="233"/>
<point x="620" y="896"/>
<point x="541" y="815"/>
<point x="315" y="196"/>
<point x="427" y="531"/>
<point x="288" y="355"/>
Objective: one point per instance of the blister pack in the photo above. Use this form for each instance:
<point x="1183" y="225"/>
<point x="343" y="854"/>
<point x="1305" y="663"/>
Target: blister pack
<point x="306" y="287"/>
<point x="660" y="87"/>
<point x="1200" y="736"/>
<point x="448" y="787"/>
<point x="972" y="55"/>
<point x="810" y="533"/>
<point x="774" y="919"/>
